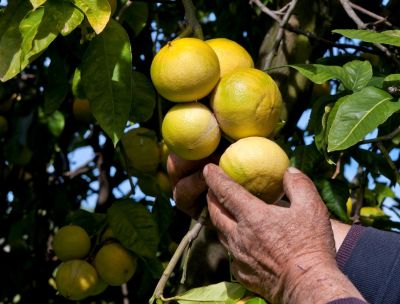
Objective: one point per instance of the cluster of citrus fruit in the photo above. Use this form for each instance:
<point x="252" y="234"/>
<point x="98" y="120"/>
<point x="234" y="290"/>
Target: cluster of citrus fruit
<point x="84" y="273"/>
<point x="220" y="92"/>
<point x="146" y="158"/>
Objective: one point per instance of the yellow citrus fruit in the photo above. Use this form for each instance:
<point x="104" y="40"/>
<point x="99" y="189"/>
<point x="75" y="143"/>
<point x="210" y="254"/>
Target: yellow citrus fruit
<point x="191" y="131"/>
<point x="247" y="102"/>
<point x="258" y="164"/>
<point x="100" y="287"/>
<point x="141" y="149"/>
<point x="71" y="242"/>
<point x="231" y="55"/>
<point x="115" y="264"/>
<point x="75" y="279"/>
<point x="3" y="125"/>
<point x="185" y="69"/>
<point x="81" y="110"/>
<point x="349" y="206"/>
<point x="370" y="213"/>
<point x="154" y="185"/>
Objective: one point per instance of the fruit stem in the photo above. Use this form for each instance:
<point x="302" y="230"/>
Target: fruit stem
<point x="193" y="24"/>
<point x="185" y="242"/>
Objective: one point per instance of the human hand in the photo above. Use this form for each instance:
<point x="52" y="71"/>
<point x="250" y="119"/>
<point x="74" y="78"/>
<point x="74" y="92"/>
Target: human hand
<point x="284" y="254"/>
<point x="189" y="187"/>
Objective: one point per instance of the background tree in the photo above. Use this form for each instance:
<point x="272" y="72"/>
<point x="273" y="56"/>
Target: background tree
<point x="74" y="76"/>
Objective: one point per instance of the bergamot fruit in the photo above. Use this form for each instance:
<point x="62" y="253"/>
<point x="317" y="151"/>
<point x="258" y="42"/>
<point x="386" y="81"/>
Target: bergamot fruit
<point x="258" y="164"/>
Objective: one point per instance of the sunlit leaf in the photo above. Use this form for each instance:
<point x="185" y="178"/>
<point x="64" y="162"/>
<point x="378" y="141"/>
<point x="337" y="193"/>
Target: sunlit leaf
<point x="220" y="293"/>
<point x="107" y="79"/>
<point x="37" y="3"/>
<point x="359" y="114"/>
<point x="98" y="12"/>
<point x="359" y="74"/>
<point x="391" y="37"/>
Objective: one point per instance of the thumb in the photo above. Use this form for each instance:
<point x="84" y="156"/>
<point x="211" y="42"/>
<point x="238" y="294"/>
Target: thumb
<point x="300" y="190"/>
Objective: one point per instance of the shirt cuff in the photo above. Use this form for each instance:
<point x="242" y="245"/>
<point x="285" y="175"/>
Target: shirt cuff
<point x="348" y="245"/>
<point x="347" y="301"/>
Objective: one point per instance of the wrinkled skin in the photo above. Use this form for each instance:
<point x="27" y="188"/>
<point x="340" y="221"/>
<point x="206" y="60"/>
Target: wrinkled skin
<point x="284" y="253"/>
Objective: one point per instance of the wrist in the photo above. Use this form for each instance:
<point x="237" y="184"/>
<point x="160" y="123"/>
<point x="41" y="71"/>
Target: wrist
<point x="340" y="231"/>
<point x="317" y="280"/>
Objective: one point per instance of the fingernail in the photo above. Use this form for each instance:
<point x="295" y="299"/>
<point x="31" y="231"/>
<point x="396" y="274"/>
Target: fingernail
<point x="293" y="170"/>
<point x="205" y="170"/>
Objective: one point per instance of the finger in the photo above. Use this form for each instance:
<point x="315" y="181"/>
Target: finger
<point x="220" y="217"/>
<point x="230" y="194"/>
<point x="188" y="193"/>
<point x="178" y="167"/>
<point x="300" y="190"/>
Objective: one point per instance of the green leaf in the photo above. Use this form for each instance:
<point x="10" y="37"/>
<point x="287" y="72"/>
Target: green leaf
<point x="335" y="194"/>
<point x="98" y="12"/>
<point x="382" y="192"/>
<point x="136" y="16"/>
<point x="306" y="158"/>
<point x="10" y="38"/>
<point x="107" y="79"/>
<point x="42" y="26"/>
<point x="143" y="97"/>
<point x="256" y="300"/>
<point x="359" y="114"/>
<point x="391" y="37"/>
<point x="57" y="85"/>
<point x="37" y="3"/>
<point x="359" y="74"/>
<point x="133" y="225"/>
<point x="220" y="293"/>
<point x="319" y="73"/>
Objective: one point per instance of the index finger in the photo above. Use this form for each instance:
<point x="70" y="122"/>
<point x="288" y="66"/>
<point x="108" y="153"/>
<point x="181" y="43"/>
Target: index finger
<point x="230" y="194"/>
<point x="178" y="167"/>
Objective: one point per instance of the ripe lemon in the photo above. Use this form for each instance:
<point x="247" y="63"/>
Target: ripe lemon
<point x="185" y="69"/>
<point x="3" y="125"/>
<point x="81" y="110"/>
<point x="75" y="279"/>
<point x="191" y="131"/>
<point x="154" y="185"/>
<point x="231" y="55"/>
<point x="247" y="102"/>
<point x="115" y="264"/>
<point x="143" y="154"/>
<point x="370" y="213"/>
<point x="258" y="164"/>
<point x="100" y="287"/>
<point x="71" y="242"/>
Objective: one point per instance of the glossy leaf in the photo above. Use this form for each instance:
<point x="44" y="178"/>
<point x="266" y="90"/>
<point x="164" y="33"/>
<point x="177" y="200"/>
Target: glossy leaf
<point x="136" y="16"/>
<point x="319" y="73"/>
<point x="10" y="38"/>
<point x="359" y="74"/>
<point x="89" y="221"/>
<point x="77" y="86"/>
<point x="106" y="77"/>
<point x="306" y="158"/>
<point x="359" y="114"/>
<point x="98" y="12"/>
<point x="220" y="293"/>
<point x="335" y="194"/>
<point x="37" y="3"/>
<point x="133" y="225"/>
<point x="391" y="37"/>
<point x="56" y="123"/>
<point x="143" y="97"/>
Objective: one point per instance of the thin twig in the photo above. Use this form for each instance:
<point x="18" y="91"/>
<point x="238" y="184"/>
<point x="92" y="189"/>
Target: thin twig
<point x="123" y="10"/>
<point x="371" y="14"/>
<point x="266" y="10"/>
<point x="386" y="155"/>
<point x="389" y="136"/>
<point x="192" y="22"/>
<point x="279" y="35"/>
<point x="338" y="167"/>
<point x="187" y="239"/>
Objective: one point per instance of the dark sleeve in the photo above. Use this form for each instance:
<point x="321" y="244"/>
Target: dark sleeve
<point x="347" y="301"/>
<point x="371" y="260"/>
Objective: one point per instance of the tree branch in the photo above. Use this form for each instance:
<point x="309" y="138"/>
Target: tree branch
<point x="369" y="13"/>
<point x="123" y="10"/>
<point x="192" y="23"/>
<point x="389" y="136"/>
<point x="280" y="33"/>
<point x="266" y="10"/>
<point x="187" y="239"/>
